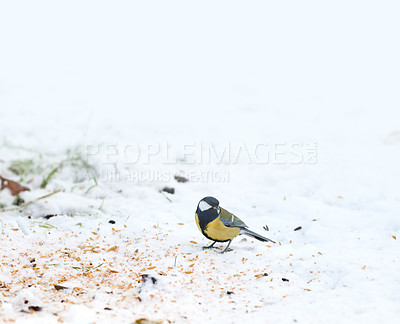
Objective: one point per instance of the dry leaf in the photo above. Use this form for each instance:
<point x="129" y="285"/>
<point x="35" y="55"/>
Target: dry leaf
<point x="59" y="287"/>
<point x="14" y="187"/>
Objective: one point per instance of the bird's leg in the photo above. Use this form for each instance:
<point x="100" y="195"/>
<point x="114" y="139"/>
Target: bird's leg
<point x="210" y="246"/>
<point x="227" y="247"/>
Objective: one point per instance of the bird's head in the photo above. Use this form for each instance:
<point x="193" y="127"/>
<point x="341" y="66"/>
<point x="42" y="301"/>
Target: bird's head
<point x="209" y="204"/>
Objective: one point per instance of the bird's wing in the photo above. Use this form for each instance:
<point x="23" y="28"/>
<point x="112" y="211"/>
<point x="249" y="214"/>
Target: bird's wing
<point x="231" y="220"/>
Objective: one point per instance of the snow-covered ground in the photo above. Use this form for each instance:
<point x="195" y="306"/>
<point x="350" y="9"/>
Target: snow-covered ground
<point x="287" y="112"/>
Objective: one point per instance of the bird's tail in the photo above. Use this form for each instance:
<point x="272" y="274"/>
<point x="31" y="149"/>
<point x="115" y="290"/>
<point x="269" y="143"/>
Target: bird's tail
<point x="259" y="237"/>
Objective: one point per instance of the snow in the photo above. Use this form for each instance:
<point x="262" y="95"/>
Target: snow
<point x="286" y="112"/>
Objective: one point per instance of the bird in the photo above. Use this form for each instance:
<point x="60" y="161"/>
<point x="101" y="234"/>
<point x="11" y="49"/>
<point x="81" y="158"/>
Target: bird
<point x="219" y="225"/>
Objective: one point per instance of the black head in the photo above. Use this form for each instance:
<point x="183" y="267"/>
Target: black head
<point x="208" y="203"/>
<point x="207" y="210"/>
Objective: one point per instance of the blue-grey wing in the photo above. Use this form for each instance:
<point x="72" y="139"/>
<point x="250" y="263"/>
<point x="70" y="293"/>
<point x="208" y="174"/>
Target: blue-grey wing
<point x="231" y="220"/>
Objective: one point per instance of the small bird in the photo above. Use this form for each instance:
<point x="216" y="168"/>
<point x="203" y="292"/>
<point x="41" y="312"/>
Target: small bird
<point x="219" y="225"/>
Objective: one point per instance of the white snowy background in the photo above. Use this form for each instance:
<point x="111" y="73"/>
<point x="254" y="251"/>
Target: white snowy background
<point x="180" y="74"/>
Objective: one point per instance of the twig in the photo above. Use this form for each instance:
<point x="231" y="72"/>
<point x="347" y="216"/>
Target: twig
<point x="102" y="202"/>
<point x="30" y="202"/>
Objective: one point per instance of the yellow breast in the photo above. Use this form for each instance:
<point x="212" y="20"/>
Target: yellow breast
<point x="197" y="222"/>
<point x="216" y="230"/>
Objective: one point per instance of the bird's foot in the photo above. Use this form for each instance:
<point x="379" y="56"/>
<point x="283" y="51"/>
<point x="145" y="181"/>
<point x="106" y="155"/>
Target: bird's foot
<point x="209" y="247"/>
<point x="227" y="247"/>
<point x="228" y="250"/>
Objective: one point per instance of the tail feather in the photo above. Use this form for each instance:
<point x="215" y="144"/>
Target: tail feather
<point x="259" y="237"/>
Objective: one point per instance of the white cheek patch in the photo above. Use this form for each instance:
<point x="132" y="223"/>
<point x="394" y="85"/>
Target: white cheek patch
<point x="204" y="206"/>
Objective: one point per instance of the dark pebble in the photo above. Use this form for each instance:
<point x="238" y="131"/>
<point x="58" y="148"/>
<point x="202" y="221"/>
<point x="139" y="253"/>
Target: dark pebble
<point x="181" y="179"/>
<point x="229" y="292"/>
<point x="284" y="279"/>
<point x="35" y="308"/>
<point x="170" y="190"/>
<point x="298" y="228"/>
<point x="107" y="308"/>
<point x="49" y="216"/>
<point x="111" y="221"/>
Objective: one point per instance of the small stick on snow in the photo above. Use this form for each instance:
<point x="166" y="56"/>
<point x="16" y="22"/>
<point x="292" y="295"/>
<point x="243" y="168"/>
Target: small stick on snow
<point x="102" y="203"/>
<point x="30" y="202"/>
